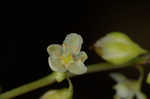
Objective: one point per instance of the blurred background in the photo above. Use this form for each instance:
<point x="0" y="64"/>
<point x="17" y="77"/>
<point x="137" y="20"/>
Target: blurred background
<point x="38" y="25"/>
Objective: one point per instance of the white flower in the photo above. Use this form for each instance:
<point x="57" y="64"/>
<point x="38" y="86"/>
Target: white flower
<point x="117" y="48"/>
<point x="127" y="89"/>
<point x="67" y="57"/>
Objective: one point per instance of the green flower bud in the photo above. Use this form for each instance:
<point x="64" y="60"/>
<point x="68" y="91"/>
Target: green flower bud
<point x="65" y="93"/>
<point x="148" y="78"/>
<point x="60" y="76"/>
<point x="58" y="94"/>
<point x="117" y="48"/>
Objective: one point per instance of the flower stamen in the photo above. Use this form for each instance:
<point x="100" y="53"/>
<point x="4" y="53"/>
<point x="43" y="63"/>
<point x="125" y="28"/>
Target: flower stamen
<point x="66" y="60"/>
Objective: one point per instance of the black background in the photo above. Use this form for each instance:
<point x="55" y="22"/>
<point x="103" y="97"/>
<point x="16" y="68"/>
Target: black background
<point x="39" y="24"/>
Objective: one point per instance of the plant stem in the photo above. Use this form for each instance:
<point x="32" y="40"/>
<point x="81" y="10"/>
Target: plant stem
<point x="29" y="87"/>
<point x="50" y="79"/>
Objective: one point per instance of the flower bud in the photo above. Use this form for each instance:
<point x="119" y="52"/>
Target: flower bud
<point x="65" y="93"/>
<point x="148" y="78"/>
<point x="117" y="48"/>
<point x="60" y="76"/>
<point x="58" y="94"/>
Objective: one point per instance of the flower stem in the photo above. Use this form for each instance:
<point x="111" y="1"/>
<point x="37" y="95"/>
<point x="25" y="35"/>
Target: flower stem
<point x="29" y="87"/>
<point x="50" y="79"/>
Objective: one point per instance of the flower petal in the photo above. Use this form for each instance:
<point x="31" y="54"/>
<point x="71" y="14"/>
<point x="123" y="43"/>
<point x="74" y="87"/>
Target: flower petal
<point x="81" y="56"/>
<point x="141" y="95"/>
<point x="56" y="65"/>
<point x="123" y="91"/>
<point x="54" y="50"/>
<point x="77" y="68"/>
<point x="118" y="77"/>
<point x="72" y="43"/>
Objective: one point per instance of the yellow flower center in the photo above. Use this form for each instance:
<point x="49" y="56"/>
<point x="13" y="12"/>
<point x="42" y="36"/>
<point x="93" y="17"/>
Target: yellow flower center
<point x="67" y="59"/>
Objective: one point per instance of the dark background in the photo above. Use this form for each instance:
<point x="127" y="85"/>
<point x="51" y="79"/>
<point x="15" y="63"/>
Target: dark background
<point x="24" y="58"/>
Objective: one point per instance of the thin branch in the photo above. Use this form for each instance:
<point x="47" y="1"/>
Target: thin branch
<point x="50" y="79"/>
